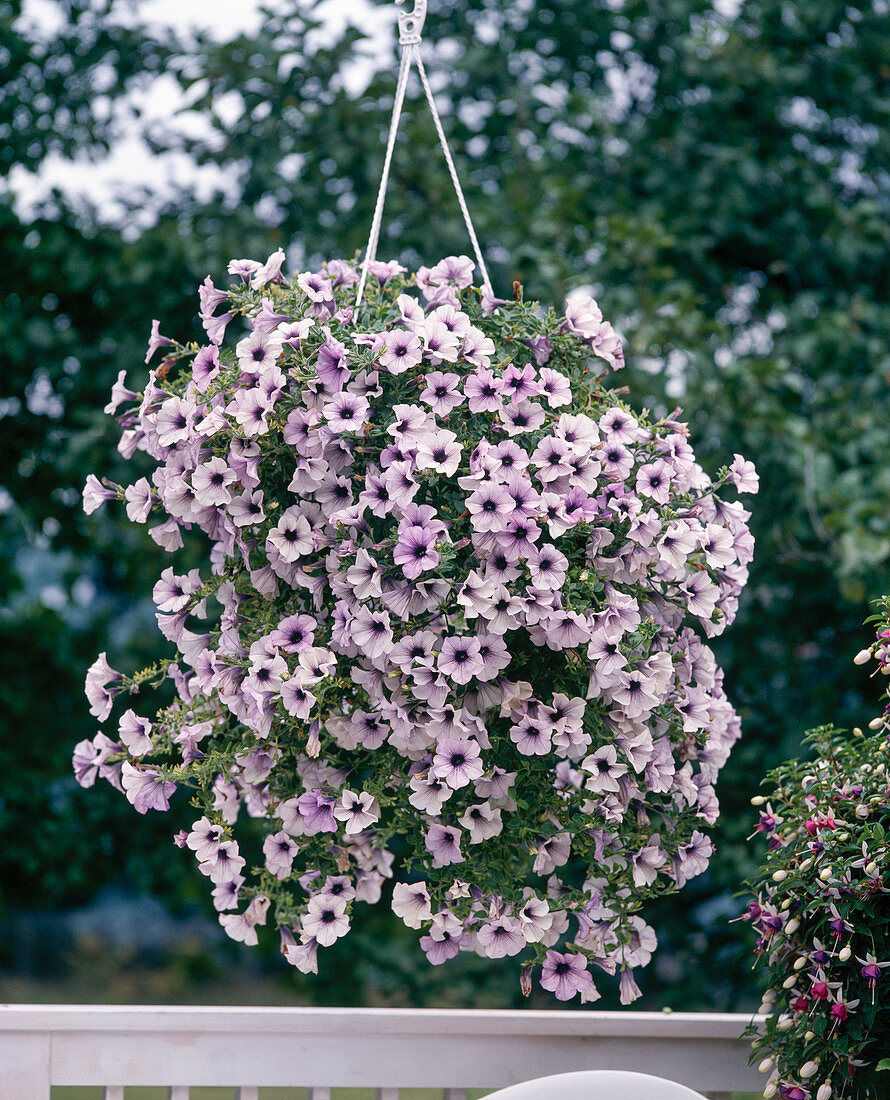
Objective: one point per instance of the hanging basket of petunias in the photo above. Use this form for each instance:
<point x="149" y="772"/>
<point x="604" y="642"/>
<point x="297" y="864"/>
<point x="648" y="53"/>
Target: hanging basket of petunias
<point x="453" y="609"/>
<point x="454" y="599"/>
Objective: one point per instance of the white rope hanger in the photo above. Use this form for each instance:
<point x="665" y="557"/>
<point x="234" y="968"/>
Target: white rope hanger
<point x="410" y="27"/>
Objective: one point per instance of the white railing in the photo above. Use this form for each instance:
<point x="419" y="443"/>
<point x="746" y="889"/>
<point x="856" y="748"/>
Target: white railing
<point x="246" y="1049"/>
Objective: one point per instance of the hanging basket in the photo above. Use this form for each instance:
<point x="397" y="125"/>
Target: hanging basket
<point x="450" y="632"/>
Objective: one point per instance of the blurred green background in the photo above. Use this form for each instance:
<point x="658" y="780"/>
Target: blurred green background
<point x="719" y="175"/>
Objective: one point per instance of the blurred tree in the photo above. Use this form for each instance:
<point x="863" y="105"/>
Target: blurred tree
<point x="720" y="175"/>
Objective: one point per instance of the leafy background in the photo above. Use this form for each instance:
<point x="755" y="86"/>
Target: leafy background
<point x="719" y="175"/>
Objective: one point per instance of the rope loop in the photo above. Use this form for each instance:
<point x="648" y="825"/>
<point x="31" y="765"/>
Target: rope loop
<point x="410" y="28"/>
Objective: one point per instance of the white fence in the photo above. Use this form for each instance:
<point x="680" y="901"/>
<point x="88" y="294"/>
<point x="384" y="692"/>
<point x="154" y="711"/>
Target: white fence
<point x="247" y="1049"/>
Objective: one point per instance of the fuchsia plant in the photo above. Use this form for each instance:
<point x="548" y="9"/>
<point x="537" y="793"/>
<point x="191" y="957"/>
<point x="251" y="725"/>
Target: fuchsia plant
<point x="821" y="913"/>
<point x="450" y="625"/>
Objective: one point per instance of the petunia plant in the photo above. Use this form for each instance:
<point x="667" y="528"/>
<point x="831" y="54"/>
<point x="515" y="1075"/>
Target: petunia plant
<point x="451" y="629"/>
<point x="821" y="912"/>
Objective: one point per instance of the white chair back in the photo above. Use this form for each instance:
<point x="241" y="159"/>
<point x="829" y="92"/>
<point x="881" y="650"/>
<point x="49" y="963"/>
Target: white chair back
<point x="597" y="1085"/>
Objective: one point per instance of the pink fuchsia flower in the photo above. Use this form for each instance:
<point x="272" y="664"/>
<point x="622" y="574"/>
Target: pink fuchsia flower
<point x="564" y="975"/>
<point x="457" y="762"/>
<point x="99" y="695"/>
<point x="443" y="843"/>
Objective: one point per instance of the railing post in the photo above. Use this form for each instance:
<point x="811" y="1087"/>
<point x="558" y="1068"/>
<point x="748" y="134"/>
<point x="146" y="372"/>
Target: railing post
<point x="25" y="1065"/>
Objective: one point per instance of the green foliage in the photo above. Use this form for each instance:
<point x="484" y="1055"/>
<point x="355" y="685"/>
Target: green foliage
<point x="728" y="203"/>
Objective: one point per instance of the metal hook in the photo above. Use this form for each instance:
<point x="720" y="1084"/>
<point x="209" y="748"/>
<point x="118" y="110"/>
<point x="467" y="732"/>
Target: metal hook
<point x="411" y="23"/>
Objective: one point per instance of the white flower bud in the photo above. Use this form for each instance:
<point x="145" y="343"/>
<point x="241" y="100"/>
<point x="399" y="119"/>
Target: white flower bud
<point x="779" y="876"/>
<point x="871" y="869"/>
<point x="862" y="657"/>
<point x="809" y="1036"/>
<point x="786" y="1023"/>
<point x="876" y="723"/>
<point x="765" y="1066"/>
<point x="809" y="1069"/>
<point x="789" y="982"/>
<point x="766" y="1008"/>
<point x="800" y="963"/>
<point x="845" y="953"/>
<point x="792" y="926"/>
<point x="825" y="874"/>
<point x="862" y="811"/>
<point x="770" y="1091"/>
<point x="770" y="995"/>
<point x="758" y="800"/>
<point x="824" y="1092"/>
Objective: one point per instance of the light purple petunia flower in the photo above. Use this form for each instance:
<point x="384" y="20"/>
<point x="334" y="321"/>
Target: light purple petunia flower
<point x="457" y="761"/>
<point x="100" y="696"/>
<point x="443" y="844"/>
<point x="95" y="494"/>
<point x="501" y="937"/>
<point x="564" y="975"/>
<point x="459" y="659"/>
<point x="146" y="788"/>
<point x="415" y="551"/>
<point x="401" y="351"/>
